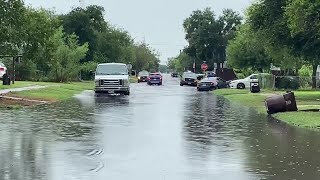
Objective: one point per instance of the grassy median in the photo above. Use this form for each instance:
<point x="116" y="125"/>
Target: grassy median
<point x="304" y="99"/>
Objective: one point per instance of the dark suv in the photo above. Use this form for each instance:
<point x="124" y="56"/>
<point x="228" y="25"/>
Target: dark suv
<point x="155" y="78"/>
<point x="189" y="78"/>
<point x="143" y="76"/>
<point x="174" y="74"/>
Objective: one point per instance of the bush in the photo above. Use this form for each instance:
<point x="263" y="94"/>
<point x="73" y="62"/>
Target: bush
<point x="288" y="83"/>
<point x="26" y="70"/>
<point x="305" y="73"/>
<point x="240" y="76"/>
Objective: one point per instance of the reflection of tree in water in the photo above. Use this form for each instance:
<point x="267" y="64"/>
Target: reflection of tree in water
<point x="67" y="119"/>
<point x="200" y="120"/>
<point x="284" y="152"/>
<point x="210" y="118"/>
<point x="27" y="135"/>
<point x="22" y="156"/>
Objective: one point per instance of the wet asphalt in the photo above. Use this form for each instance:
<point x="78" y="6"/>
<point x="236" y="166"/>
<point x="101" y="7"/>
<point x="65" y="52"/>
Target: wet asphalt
<point x="157" y="133"/>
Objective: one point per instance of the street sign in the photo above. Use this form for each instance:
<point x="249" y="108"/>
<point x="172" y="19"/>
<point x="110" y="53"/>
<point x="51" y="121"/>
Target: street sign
<point x="204" y="66"/>
<point x="129" y="66"/>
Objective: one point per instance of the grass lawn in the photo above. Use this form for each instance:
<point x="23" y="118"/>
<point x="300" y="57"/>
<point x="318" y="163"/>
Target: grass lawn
<point x="55" y="91"/>
<point x="304" y="99"/>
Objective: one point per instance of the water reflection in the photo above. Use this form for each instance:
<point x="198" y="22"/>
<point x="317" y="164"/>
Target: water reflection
<point x="93" y="102"/>
<point x="284" y="152"/>
<point x="165" y="132"/>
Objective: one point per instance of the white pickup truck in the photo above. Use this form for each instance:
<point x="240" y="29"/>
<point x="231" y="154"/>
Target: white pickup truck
<point x="112" y="78"/>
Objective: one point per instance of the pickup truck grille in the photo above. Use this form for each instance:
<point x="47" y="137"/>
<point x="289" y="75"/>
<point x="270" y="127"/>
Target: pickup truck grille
<point x="189" y="79"/>
<point x="111" y="82"/>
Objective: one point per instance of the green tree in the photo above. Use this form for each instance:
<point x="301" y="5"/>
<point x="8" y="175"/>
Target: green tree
<point x="303" y="22"/>
<point x="248" y="51"/>
<point x="207" y="35"/>
<point x="171" y="64"/>
<point x="163" y="68"/>
<point x="40" y="25"/>
<point x="145" y="58"/>
<point x="86" y="24"/>
<point x="67" y="56"/>
<point x="13" y="34"/>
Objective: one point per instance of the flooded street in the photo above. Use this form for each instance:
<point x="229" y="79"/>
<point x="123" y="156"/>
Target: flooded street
<point x="157" y="133"/>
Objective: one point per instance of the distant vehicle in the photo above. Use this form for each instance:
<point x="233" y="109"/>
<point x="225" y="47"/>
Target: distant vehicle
<point x="243" y="83"/>
<point x="174" y="74"/>
<point x="143" y="76"/>
<point x="3" y="70"/>
<point x="206" y="84"/>
<point x="210" y="74"/>
<point x="188" y="78"/>
<point x="112" y="78"/>
<point x="155" y="78"/>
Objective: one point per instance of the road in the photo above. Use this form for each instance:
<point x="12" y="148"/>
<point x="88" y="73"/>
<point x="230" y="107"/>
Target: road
<point x="158" y="132"/>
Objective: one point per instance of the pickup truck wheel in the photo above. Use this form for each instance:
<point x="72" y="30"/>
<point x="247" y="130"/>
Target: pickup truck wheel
<point x="127" y="93"/>
<point x="181" y="84"/>
<point x="241" y="86"/>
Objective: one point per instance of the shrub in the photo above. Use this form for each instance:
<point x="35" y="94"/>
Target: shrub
<point x="287" y="83"/>
<point x="240" y="75"/>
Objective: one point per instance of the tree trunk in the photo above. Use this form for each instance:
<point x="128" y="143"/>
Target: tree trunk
<point x="314" y="76"/>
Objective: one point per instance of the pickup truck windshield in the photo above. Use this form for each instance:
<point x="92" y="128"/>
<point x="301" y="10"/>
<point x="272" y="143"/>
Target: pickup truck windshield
<point x="189" y="75"/>
<point x="143" y="73"/>
<point x="112" y="69"/>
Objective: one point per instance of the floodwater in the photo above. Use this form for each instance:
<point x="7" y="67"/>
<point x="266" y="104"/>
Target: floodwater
<point x="157" y="133"/>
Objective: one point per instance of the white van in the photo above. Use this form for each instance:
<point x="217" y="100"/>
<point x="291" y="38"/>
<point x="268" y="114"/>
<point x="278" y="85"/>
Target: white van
<point x="112" y="78"/>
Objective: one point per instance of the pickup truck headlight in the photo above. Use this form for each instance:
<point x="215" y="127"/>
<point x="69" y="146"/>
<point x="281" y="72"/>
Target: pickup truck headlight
<point x="125" y="82"/>
<point x="97" y="83"/>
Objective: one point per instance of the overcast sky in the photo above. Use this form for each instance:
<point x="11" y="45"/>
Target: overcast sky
<point x="159" y="22"/>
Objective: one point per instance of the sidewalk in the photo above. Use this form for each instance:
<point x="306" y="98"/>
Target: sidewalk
<point x="6" y="91"/>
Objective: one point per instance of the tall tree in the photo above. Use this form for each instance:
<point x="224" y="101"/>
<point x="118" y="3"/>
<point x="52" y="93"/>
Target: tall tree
<point x="67" y="56"/>
<point x="248" y="51"/>
<point x="12" y="20"/>
<point x="86" y="24"/>
<point x="303" y="21"/>
<point x="207" y="35"/>
<point x="289" y="28"/>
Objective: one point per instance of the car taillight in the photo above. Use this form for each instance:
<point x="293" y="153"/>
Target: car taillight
<point x="1" y="69"/>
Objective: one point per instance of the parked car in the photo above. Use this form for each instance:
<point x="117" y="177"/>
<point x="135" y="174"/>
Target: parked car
<point x="188" y="78"/>
<point x="143" y="76"/>
<point x="155" y="78"/>
<point x="206" y="84"/>
<point x="3" y="70"/>
<point x="174" y="74"/>
<point x="243" y="83"/>
<point x="112" y="78"/>
<point x="210" y="74"/>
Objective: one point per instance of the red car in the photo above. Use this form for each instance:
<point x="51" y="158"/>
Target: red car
<point x="155" y="78"/>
